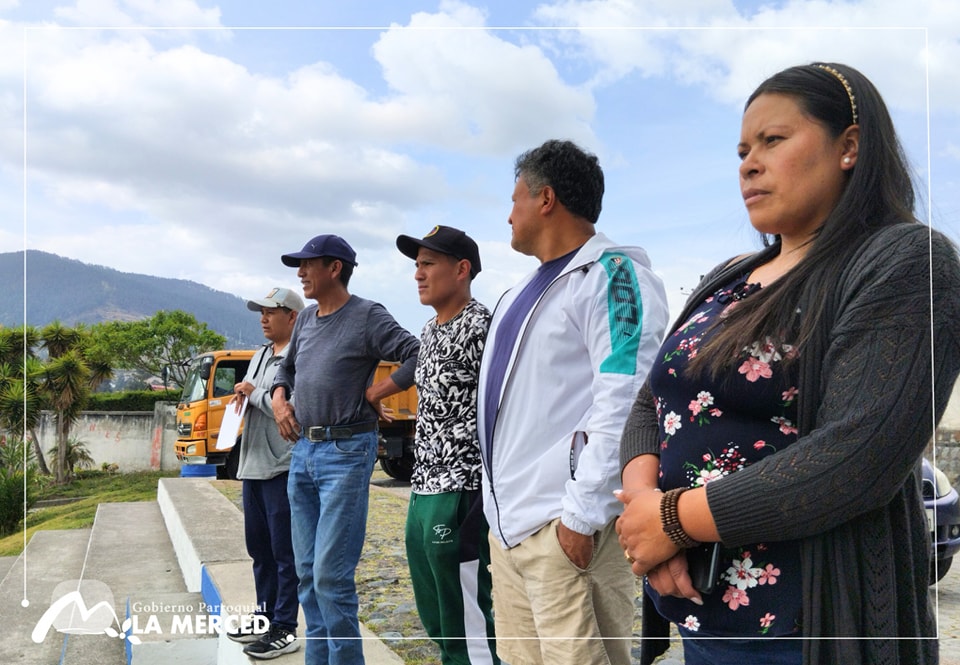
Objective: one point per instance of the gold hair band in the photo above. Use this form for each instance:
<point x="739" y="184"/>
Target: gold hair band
<point x="846" y="86"/>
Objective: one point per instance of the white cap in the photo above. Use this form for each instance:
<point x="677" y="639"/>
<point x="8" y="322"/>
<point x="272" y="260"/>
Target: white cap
<point x="277" y="298"/>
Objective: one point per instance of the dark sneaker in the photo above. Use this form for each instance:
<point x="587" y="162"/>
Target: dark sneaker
<point x="249" y="629"/>
<point x="276" y="642"/>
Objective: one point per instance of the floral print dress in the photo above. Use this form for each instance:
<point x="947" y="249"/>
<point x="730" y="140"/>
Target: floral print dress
<point x="710" y="428"/>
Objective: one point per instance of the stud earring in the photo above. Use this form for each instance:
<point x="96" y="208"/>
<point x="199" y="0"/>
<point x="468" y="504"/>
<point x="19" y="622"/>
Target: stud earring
<point x="847" y="160"/>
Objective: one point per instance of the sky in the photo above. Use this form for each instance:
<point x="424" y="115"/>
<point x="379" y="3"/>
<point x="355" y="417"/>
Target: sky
<point x="202" y="139"/>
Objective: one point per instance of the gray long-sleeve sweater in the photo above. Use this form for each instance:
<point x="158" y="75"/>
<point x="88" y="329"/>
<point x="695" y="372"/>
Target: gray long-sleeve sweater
<point x="332" y="359"/>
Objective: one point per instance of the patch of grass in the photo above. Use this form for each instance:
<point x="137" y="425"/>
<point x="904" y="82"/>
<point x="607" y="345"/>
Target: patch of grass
<point x="90" y="488"/>
<point x="232" y="489"/>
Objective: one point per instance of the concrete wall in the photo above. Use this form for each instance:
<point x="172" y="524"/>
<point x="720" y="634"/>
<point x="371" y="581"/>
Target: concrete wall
<point x="139" y="440"/>
<point x="133" y="440"/>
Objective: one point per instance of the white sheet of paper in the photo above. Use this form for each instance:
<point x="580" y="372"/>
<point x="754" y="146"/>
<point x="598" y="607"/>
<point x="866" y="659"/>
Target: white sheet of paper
<point x="230" y="425"/>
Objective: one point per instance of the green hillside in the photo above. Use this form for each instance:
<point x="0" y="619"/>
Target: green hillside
<point x="75" y="292"/>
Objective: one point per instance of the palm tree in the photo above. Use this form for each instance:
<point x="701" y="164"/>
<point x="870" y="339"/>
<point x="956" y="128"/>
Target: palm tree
<point x="77" y="456"/>
<point x="20" y="397"/>
<point x="62" y="382"/>
<point x="20" y="412"/>
<point x="58" y="339"/>
<point x="66" y="386"/>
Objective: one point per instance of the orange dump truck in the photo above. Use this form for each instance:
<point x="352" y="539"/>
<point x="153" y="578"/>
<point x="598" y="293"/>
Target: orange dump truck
<point x="209" y="387"/>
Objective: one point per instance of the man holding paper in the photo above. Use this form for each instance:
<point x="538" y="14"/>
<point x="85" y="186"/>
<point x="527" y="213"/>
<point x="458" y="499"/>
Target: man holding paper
<point x="264" y="465"/>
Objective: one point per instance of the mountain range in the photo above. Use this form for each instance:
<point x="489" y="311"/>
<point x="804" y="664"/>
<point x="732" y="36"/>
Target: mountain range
<point x="73" y="292"/>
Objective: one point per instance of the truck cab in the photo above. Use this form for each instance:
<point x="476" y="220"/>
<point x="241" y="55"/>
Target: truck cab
<point x="397" y="438"/>
<point x="209" y="387"/>
<point x="206" y="392"/>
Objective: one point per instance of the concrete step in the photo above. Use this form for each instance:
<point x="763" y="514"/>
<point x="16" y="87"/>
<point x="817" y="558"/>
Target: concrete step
<point x="207" y="534"/>
<point x="132" y="577"/>
<point x="131" y="554"/>
<point x="203" y="525"/>
<point x="232" y="583"/>
<point x="48" y="569"/>
<point x="6" y="563"/>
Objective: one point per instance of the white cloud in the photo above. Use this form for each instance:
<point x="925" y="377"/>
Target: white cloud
<point x="162" y="152"/>
<point x="728" y="53"/>
<point x="468" y="89"/>
<point x="182" y="124"/>
<point x="125" y="13"/>
<point x="165" y="158"/>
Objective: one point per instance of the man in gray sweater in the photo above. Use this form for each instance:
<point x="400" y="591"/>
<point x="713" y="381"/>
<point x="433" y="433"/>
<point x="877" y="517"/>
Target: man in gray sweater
<point x="333" y="354"/>
<point x="263" y="467"/>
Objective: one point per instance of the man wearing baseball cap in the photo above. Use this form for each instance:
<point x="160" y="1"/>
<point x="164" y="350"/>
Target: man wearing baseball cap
<point x="448" y="567"/>
<point x="334" y="351"/>
<point x="263" y="467"/>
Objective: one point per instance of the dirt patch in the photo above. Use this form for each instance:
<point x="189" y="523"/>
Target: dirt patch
<point x="387" y="605"/>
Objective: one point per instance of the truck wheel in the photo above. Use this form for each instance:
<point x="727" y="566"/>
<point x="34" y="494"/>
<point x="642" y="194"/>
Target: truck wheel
<point x="942" y="566"/>
<point x="400" y="468"/>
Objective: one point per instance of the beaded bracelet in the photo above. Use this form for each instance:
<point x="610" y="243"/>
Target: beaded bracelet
<point x="670" y="519"/>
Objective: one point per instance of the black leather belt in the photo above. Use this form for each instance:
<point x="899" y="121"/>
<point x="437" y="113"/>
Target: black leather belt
<point x="333" y="432"/>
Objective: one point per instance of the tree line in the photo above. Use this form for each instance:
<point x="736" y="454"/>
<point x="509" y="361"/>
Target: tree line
<point x="58" y="367"/>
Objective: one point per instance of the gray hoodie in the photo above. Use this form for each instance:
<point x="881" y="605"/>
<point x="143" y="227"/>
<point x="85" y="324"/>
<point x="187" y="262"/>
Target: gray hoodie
<point x="264" y="454"/>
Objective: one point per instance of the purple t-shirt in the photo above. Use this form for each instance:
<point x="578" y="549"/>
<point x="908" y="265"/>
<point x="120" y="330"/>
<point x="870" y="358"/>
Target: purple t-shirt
<point x="507" y="330"/>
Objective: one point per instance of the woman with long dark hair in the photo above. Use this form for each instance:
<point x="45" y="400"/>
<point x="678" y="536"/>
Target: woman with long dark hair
<point x="771" y="463"/>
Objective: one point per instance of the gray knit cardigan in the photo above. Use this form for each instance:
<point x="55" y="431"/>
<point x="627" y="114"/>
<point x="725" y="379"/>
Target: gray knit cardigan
<point x="848" y="489"/>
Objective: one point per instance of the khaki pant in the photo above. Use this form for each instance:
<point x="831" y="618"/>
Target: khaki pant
<point x="550" y="612"/>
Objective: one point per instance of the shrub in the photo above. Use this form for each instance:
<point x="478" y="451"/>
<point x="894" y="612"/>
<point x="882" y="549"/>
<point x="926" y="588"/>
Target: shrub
<point x="12" y="487"/>
<point x="130" y="400"/>
<point x="15" y="455"/>
<point x="78" y="457"/>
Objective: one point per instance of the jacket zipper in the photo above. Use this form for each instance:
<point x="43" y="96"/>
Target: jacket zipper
<point x="508" y="379"/>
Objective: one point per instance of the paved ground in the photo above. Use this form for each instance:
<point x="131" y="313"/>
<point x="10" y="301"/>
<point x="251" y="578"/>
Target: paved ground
<point x="946" y="601"/>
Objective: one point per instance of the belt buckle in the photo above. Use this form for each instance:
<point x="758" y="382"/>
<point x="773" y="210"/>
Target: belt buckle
<point x="328" y="433"/>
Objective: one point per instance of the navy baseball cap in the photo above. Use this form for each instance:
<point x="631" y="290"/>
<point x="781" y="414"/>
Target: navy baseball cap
<point x="446" y="240"/>
<point x="323" y="245"/>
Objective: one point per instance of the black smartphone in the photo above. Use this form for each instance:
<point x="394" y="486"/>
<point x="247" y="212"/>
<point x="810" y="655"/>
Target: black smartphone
<point x="703" y="564"/>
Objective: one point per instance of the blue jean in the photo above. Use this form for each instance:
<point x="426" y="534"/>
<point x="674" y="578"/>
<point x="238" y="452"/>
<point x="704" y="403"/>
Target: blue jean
<point x="266" y="522"/>
<point x="328" y="489"/>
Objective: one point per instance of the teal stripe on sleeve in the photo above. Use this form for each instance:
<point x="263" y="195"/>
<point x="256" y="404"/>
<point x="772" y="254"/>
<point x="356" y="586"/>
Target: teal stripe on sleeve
<point x="625" y="310"/>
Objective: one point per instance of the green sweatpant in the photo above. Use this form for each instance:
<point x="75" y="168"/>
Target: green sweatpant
<point x="448" y="553"/>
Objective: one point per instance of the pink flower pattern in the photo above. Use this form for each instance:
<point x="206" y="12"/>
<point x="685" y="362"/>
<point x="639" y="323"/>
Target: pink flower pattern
<point x="766" y="621"/>
<point x="785" y="425"/>
<point x="755" y="369"/>
<point x="769" y="575"/>
<point x="699" y="405"/>
<point x="748" y="573"/>
<point x="735" y="598"/>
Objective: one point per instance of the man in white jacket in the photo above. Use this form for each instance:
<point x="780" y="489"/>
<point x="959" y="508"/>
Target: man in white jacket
<point x="567" y="352"/>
